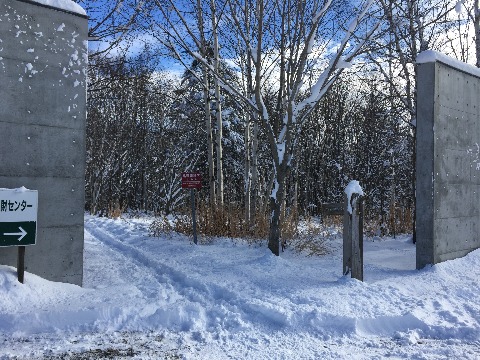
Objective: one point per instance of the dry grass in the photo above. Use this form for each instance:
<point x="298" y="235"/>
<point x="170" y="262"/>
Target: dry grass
<point x="311" y="245"/>
<point x="230" y="222"/>
<point x="161" y="226"/>
<point x="115" y="210"/>
<point x="399" y="220"/>
<point x="310" y="239"/>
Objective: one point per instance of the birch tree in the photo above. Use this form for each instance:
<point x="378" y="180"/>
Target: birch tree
<point x="218" y="104"/>
<point x="203" y="48"/>
<point x="287" y="53"/>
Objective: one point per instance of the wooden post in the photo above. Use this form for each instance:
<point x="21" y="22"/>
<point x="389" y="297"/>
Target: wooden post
<point x="21" y="264"/>
<point x="357" y="237"/>
<point x="347" y="239"/>
<point x="192" y="195"/>
<point x="353" y="238"/>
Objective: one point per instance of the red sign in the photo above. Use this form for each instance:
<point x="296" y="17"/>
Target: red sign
<point x="191" y="180"/>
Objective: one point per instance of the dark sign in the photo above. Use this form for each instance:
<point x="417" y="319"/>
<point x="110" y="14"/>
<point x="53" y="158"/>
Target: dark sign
<point x="191" y="180"/>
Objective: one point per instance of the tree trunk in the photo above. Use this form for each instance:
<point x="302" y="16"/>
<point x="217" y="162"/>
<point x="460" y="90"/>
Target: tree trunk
<point x="208" y="117"/>
<point x="255" y="182"/>
<point x="218" y="108"/>
<point x="276" y="202"/>
<point x="250" y="149"/>
<point x="274" y="235"/>
<point x="208" y="121"/>
<point x="248" y="180"/>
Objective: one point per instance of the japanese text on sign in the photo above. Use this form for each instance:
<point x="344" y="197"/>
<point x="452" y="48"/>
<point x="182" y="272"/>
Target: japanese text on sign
<point x="8" y="205"/>
<point x="18" y="217"/>
<point x="191" y="180"/>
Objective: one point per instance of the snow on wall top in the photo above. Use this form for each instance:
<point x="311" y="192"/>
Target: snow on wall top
<point x="432" y="56"/>
<point x="68" y="5"/>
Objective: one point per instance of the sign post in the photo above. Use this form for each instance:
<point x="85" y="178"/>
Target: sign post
<point x="192" y="181"/>
<point x="194" y="220"/>
<point x="353" y="237"/>
<point x="18" y="222"/>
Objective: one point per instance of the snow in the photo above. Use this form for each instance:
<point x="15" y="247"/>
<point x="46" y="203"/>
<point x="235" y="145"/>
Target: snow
<point x="458" y="7"/>
<point x="21" y="189"/>
<point x="273" y="195"/>
<point x="433" y="56"/>
<point x="149" y="298"/>
<point x="353" y="187"/>
<point x="342" y="64"/>
<point x="68" y="5"/>
<point x="353" y="25"/>
<point x="281" y="151"/>
<point x="311" y="43"/>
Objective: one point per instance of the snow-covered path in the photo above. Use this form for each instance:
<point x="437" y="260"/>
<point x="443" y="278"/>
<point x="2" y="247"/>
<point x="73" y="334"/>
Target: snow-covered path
<point x="147" y="297"/>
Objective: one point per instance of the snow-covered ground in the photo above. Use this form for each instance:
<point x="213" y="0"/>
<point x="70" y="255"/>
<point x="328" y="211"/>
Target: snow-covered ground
<point x="165" y="298"/>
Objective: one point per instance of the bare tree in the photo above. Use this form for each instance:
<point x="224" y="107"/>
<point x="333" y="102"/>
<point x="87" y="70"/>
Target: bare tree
<point x="288" y="51"/>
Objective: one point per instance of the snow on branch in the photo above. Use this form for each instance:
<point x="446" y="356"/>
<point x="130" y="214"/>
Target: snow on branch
<point x="336" y="63"/>
<point x="319" y="15"/>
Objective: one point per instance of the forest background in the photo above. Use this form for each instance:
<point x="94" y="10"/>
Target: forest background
<point x="279" y="104"/>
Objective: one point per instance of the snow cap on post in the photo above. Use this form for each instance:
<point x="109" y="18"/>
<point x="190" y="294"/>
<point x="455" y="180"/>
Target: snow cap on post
<point x="352" y="188"/>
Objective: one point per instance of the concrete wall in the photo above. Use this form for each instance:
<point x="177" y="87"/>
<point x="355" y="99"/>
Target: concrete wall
<point x="448" y="163"/>
<point x="43" y="58"/>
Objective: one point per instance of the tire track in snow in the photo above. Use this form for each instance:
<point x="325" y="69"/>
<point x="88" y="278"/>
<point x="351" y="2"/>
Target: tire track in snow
<point x="224" y="308"/>
<point x="163" y="273"/>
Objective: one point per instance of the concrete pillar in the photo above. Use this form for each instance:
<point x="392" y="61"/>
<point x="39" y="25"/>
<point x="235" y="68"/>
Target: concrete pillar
<point x="43" y="59"/>
<point x="448" y="160"/>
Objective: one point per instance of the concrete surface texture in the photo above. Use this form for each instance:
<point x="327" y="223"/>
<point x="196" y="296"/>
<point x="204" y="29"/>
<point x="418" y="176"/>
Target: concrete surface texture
<point x="448" y="163"/>
<point x="43" y="59"/>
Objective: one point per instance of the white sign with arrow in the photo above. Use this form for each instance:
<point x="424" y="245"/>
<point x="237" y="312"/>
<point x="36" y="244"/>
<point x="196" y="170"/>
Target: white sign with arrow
<point x="18" y="217"/>
<point x="21" y="234"/>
